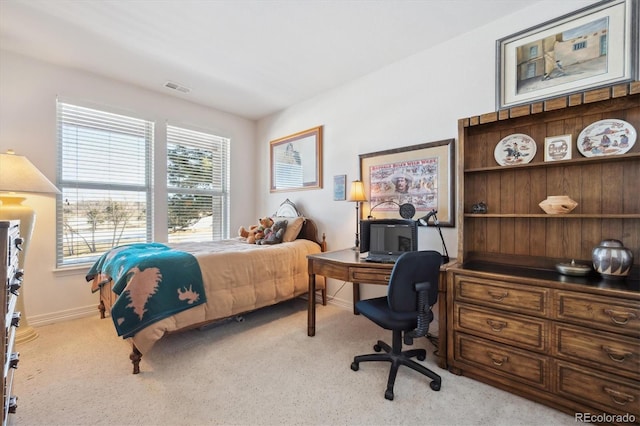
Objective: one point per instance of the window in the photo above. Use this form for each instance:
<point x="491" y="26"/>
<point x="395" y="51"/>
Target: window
<point x="197" y="185"/>
<point x="104" y="173"/>
<point x="580" y="45"/>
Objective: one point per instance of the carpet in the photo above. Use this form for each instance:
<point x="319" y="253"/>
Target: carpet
<point x="263" y="370"/>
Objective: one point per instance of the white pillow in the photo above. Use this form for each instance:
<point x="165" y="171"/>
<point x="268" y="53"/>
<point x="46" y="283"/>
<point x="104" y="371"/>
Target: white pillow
<point x="294" y="225"/>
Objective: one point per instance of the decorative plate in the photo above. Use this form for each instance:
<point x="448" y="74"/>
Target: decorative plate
<point x="606" y="137"/>
<point x="515" y="149"/>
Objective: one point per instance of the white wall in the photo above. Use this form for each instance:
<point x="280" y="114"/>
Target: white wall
<point x="28" y="91"/>
<point x="410" y="102"/>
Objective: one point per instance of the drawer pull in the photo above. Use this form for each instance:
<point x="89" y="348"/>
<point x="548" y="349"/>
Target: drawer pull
<point x="616" y="355"/>
<point x="499" y="297"/>
<point x="620" y="318"/>
<point x="387" y="277"/>
<point x="496" y="325"/>
<point x="618" y="397"/>
<point x="497" y="359"/>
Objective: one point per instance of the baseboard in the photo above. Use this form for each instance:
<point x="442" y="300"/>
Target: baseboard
<point x="66" y="315"/>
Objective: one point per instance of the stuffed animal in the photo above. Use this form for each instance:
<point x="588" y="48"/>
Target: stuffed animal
<point x="274" y="234"/>
<point x="255" y="232"/>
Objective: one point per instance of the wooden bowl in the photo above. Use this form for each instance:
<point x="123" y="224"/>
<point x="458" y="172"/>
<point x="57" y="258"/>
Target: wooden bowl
<point x="557" y="204"/>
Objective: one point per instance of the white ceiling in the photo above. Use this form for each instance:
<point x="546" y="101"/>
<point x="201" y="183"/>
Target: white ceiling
<point x="247" y="57"/>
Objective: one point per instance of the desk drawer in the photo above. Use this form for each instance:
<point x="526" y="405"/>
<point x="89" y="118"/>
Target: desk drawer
<point x="519" y="330"/>
<point x="600" y="312"/>
<point x="614" y="353"/>
<point x="609" y="393"/>
<point x="503" y="295"/>
<point x="369" y="275"/>
<point x="526" y="367"/>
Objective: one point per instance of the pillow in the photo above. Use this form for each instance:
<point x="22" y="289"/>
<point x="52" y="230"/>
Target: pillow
<point x="294" y="225"/>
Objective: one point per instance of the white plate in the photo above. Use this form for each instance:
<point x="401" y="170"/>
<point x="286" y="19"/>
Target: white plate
<point x="515" y="149"/>
<point x="606" y="137"/>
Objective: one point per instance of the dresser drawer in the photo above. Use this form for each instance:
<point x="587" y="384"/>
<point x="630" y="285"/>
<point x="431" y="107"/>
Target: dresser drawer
<point x="369" y="275"/>
<point x="508" y="296"/>
<point x="616" y="354"/>
<point x="600" y="312"/>
<point x="525" y="367"/>
<point x="519" y="330"/>
<point x="607" y="392"/>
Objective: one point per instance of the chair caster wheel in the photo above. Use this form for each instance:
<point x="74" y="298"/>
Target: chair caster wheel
<point x="435" y="385"/>
<point x="377" y="348"/>
<point x="421" y="357"/>
<point x="388" y="395"/>
<point x="355" y="366"/>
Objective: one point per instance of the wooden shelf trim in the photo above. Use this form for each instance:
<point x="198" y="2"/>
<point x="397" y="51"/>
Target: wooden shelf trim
<point x="553" y="104"/>
<point x="554" y="216"/>
<point x="629" y="156"/>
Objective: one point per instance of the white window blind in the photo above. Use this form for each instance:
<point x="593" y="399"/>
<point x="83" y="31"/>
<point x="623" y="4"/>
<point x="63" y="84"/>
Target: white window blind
<point x="104" y="173"/>
<point x="197" y="185"/>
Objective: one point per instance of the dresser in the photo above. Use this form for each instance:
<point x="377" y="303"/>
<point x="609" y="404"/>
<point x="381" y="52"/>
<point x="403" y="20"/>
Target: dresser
<point x="11" y="275"/>
<point x="572" y="343"/>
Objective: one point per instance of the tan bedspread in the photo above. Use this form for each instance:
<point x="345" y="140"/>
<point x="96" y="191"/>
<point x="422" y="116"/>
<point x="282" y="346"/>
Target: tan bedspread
<point x="238" y="278"/>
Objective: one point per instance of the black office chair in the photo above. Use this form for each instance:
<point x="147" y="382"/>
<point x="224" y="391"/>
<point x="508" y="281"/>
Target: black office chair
<point x="412" y="291"/>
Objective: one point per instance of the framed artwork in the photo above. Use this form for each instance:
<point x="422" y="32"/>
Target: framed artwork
<point x="593" y="47"/>
<point x="557" y="148"/>
<point x="296" y="161"/>
<point x="420" y="175"/>
<point x="340" y="187"/>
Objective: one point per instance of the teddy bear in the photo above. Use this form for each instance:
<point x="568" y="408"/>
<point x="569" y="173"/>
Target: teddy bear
<point x="274" y="234"/>
<point x="255" y="232"/>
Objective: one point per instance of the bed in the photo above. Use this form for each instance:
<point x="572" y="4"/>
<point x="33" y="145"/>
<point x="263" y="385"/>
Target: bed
<point x="234" y="278"/>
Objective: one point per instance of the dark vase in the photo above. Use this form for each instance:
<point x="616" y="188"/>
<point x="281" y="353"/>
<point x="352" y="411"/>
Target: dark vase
<point x="612" y="260"/>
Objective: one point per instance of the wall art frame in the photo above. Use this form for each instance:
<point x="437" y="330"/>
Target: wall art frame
<point x="295" y="161"/>
<point x="593" y="47"/>
<point x="340" y="187"/>
<point x="422" y="175"/>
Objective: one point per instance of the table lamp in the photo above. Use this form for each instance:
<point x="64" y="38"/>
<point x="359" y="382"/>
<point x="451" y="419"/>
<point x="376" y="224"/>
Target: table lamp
<point x="357" y="195"/>
<point x="424" y="221"/>
<point x="18" y="175"/>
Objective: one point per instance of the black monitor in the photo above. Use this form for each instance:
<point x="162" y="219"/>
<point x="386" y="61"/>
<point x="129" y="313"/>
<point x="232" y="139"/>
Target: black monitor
<point x="390" y="236"/>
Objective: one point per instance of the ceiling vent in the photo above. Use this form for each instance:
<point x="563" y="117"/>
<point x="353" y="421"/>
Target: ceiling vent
<point x="176" y="86"/>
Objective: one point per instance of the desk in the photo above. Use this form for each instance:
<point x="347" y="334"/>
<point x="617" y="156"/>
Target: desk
<point x="346" y="265"/>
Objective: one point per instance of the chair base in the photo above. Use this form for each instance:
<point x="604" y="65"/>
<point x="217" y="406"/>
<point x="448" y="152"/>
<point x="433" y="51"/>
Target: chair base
<point x="397" y="357"/>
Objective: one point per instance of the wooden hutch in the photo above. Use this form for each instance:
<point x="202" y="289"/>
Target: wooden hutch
<point x="572" y="343"/>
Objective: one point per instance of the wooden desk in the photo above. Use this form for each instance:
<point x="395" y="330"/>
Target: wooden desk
<point x="346" y="265"/>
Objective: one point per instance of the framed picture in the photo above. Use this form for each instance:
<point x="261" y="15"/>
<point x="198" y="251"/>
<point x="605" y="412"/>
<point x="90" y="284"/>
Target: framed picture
<point x="340" y="187"/>
<point x="296" y="161"/>
<point x="593" y="47"/>
<point x="420" y="175"/>
<point x="557" y="148"/>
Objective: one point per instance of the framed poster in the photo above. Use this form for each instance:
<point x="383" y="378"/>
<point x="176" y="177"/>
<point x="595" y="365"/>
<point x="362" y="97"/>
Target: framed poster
<point x="420" y="175"/>
<point x="296" y="161"/>
<point x="593" y="47"/>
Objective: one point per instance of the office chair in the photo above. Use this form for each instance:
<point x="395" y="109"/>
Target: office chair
<point x="412" y="291"/>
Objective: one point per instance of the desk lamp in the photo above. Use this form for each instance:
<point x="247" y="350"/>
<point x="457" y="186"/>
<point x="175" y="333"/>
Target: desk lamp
<point x="357" y="195"/>
<point x="19" y="175"/>
<point x="424" y="221"/>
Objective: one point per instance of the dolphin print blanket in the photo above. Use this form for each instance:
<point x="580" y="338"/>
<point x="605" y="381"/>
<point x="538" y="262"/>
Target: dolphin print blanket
<point x="152" y="282"/>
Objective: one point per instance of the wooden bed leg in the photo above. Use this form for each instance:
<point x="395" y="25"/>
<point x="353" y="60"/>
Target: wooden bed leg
<point x="135" y="358"/>
<point x="102" y="309"/>
<point x="324" y="296"/>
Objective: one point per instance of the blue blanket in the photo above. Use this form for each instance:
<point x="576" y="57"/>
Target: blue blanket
<point x="152" y="282"/>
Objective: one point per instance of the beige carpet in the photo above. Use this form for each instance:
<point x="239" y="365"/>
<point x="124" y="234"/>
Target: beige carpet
<point x="262" y="371"/>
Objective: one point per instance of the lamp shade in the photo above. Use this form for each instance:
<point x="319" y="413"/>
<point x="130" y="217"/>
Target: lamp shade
<point x="357" y="191"/>
<point x="18" y="174"/>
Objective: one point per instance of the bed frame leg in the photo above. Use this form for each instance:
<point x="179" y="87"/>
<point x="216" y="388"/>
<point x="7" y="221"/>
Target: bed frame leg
<point x="135" y="358"/>
<point x="102" y="310"/>
<point x="324" y="296"/>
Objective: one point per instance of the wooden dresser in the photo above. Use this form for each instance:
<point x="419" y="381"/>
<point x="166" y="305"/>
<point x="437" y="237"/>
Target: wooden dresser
<point x="572" y="343"/>
<point x="10" y="244"/>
